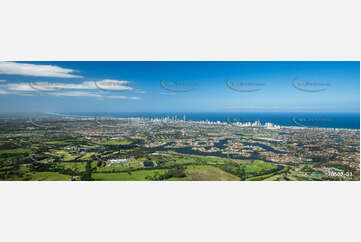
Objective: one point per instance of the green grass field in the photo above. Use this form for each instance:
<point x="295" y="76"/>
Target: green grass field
<point x="124" y="176"/>
<point x="80" y="166"/>
<point x="207" y="173"/>
<point x="116" y="142"/>
<point x="258" y="166"/>
<point x="41" y="176"/>
<point x="15" y="151"/>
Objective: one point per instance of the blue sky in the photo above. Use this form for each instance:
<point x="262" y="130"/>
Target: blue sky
<point x="186" y="87"/>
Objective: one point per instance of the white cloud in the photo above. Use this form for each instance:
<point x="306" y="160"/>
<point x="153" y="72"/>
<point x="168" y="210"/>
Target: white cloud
<point x="2" y="80"/>
<point x="13" y="68"/>
<point x="106" y="85"/>
<point x="75" y="94"/>
<point x="53" y="86"/>
<point x="19" y="87"/>
<point x="3" y="92"/>
<point x="91" y="94"/>
<point x="68" y="89"/>
<point x="113" y="85"/>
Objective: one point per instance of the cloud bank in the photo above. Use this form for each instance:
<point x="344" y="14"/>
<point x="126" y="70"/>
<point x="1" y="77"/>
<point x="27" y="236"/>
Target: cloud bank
<point x="14" y="68"/>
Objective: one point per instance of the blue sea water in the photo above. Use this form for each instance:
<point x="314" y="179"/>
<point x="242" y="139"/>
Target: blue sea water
<point x="324" y="120"/>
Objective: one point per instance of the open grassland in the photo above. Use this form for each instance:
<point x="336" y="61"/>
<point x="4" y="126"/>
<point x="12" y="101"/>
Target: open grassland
<point x="207" y="173"/>
<point x="64" y="142"/>
<point x="257" y="166"/>
<point x="193" y="173"/>
<point x="79" y="166"/>
<point x="15" y="151"/>
<point x="49" y="176"/>
<point x="116" y="142"/>
<point x="87" y="156"/>
<point x="41" y="176"/>
<point x="126" y="176"/>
